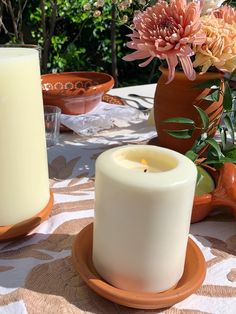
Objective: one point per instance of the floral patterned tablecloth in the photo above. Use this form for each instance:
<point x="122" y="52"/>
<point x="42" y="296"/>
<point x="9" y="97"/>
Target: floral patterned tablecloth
<point x="36" y="273"/>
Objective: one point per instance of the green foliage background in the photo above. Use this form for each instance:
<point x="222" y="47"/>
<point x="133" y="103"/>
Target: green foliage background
<point x="81" y="41"/>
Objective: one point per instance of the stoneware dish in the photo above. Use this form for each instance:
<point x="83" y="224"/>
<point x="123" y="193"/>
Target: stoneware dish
<point x="224" y="193"/>
<point x="194" y="274"/>
<point x="75" y="92"/>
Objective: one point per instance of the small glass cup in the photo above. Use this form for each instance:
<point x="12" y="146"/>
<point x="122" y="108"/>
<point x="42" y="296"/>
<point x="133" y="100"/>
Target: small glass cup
<point x="52" y="117"/>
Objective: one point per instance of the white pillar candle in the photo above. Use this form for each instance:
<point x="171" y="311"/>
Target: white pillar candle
<point x="24" y="182"/>
<point x="142" y="216"/>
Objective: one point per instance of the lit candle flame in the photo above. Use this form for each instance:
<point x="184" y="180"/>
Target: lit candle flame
<point x="145" y="164"/>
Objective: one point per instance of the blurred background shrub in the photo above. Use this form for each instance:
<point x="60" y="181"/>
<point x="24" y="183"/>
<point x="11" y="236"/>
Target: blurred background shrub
<point x="77" y="35"/>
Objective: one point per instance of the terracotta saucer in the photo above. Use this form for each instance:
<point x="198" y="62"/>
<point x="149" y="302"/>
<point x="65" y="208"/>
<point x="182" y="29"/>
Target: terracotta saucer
<point x="19" y="230"/>
<point x="194" y="274"/>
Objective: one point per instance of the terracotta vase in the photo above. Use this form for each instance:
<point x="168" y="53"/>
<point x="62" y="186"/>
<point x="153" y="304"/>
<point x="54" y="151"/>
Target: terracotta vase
<point x="177" y="99"/>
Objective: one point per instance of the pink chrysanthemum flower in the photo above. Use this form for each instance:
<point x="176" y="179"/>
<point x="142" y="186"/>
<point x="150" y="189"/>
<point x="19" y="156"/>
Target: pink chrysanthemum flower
<point x="228" y="14"/>
<point x="167" y="31"/>
<point x="219" y="50"/>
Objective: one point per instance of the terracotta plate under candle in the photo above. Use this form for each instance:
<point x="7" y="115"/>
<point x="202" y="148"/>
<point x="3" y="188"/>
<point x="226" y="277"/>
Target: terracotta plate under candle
<point x="19" y="230"/>
<point x="194" y="274"/>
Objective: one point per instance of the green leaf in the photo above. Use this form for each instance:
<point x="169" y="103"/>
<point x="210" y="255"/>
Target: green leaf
<point x="227" y="100"/>
<point x="215" y="146"/>
<point x="191" y="155"/>
<point x="229" y="126"/>
<point x="231" y="153"/>
<point x="232" y="147"/>
<point x="204" y="117"/>
<point x="200" y="143"/>
<point x="220" y="161"/>
<point x="179" y="120"/>
<point x="183" y="134"/>
<point x="232" y="74"/>
<point x="223" y="137"/>
<point x="208" y="83"/>
<point x="214" y="96"/>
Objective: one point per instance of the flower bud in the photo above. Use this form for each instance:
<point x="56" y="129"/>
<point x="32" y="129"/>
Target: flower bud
<point x="97" y="13"/>
<point x="125" y="18"/>
<point x="87" y="7"/>
<point x="99" y="3"/>
<point x="142" y="2"/>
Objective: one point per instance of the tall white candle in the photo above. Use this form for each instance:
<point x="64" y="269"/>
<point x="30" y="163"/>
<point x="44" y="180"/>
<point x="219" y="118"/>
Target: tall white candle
<point x="142" y="216"/>
<point x="24" y="182"/>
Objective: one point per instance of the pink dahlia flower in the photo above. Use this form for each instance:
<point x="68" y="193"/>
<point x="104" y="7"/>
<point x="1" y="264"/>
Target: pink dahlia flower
<point x="167" y="31"/>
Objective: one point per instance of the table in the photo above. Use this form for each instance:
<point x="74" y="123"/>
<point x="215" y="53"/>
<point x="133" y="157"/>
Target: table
<point x="36" y="273"/>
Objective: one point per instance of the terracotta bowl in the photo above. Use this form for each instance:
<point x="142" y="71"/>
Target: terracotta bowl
<point x="75" y="92"/>
<point x="224" y="193"/>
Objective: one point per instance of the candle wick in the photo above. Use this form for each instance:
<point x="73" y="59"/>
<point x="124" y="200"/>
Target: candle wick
<point x="145" y="170"/>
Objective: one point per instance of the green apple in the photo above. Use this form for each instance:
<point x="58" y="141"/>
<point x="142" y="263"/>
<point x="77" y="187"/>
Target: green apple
<point x="205" y="184"/>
